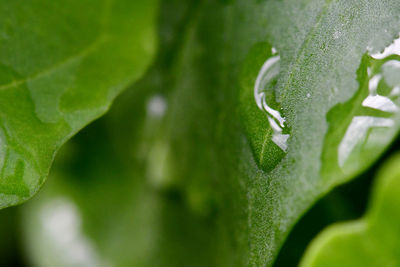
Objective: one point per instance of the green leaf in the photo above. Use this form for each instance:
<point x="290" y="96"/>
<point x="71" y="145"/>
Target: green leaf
<point x="218" y="135"/>
<point x="240" y="184"/>
<point x="61" y="65"/>
<point x="370" y="241"/>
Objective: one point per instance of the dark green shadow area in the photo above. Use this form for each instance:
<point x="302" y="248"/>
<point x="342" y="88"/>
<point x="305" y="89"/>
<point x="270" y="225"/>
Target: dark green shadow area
<point x="346" y="202"/>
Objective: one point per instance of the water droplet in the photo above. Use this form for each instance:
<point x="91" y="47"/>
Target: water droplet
<point x="267" y="74"/>
<point x="263" y="122"/>
<point x="362" y="127"/>
<point x="308" y="95"/>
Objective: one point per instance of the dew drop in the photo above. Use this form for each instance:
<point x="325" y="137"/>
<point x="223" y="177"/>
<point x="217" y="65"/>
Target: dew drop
<point x="267" y="74"/>
<point x="367" y="121"/>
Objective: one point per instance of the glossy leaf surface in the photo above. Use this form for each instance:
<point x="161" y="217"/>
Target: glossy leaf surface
<point x="61" y="65"/>
<point x="326" y="61"/>
<point x="250" y="169"/>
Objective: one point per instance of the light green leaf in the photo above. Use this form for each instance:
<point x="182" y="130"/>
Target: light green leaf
<point x="370" y="241"/>
<point x="61" y="65"/>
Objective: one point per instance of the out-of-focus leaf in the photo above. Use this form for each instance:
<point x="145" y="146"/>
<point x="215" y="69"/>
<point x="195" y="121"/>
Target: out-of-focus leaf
<point x="370" y="241"/>
<point x="61" y="65"/>
<point x="105" y="192"/>
<point x="344" y="203"/>
<point x="204" y="140"/>
<point x="101" y="212"/>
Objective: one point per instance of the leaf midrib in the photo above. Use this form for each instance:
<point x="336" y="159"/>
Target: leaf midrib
<point x="67" y="61"/>
<point x="87" y="50"/>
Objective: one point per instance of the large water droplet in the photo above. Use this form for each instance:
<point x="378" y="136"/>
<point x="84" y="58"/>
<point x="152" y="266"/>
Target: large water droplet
<point x="264" y="83"/>
<point x="360" y="129"/>
<point x="262" y="117"/>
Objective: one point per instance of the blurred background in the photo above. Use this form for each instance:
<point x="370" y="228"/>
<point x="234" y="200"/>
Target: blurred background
<point x="102" y="207"/>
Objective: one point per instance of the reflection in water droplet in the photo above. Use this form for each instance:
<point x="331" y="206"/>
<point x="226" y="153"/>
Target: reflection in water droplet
<point x="391" y="72"/>
<point x="376" y="101"/>
<point x="357" y="131"/>
<point x="269" y="71"/>
<point x="370" y="112"/>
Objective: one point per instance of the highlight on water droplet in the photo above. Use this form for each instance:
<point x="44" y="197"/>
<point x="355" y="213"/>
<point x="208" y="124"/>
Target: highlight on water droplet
<point x="268" y="73"/>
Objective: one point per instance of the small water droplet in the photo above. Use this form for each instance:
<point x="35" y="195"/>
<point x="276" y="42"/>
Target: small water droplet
<point x="308" y="95"/>
<point x="267" y="132"/>
<point x="268" y="73"/>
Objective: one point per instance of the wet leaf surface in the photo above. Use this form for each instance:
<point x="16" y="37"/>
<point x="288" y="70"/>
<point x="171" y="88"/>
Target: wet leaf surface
<point x="205" y="141"/>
